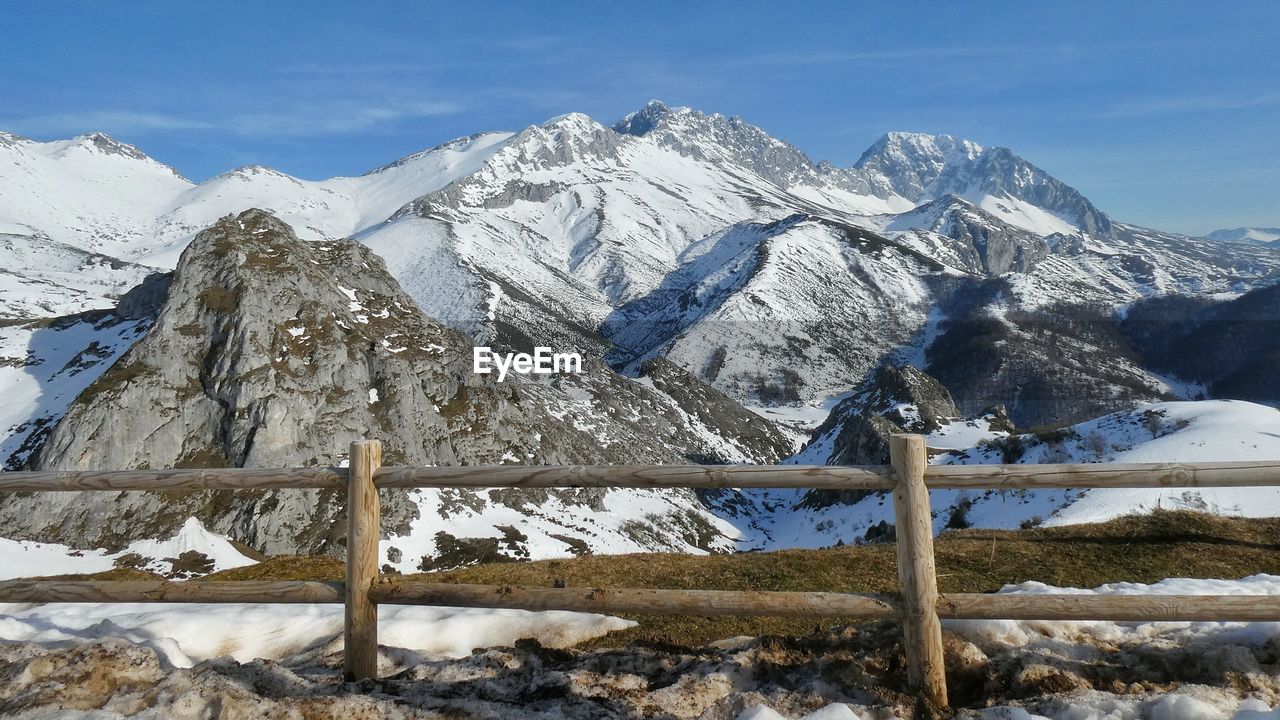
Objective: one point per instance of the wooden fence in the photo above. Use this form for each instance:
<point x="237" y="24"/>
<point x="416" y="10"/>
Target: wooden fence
<point x="918" y="607"/>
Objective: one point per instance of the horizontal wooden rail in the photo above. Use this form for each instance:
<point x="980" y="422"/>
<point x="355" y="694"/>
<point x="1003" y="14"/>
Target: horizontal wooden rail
<point x="638" y="601"/>
<point x="1118" y="608"/>
<point x="870" y="477"/>
<point x="830" y="477"/>
<point x="163" y="591"/>
<point x="211" y="479"/>
<point x="391" y="590"/>
<point x="1106" y="475"/>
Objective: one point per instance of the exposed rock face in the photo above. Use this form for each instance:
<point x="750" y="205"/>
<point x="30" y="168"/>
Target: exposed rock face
<point x="984" y="244"/>
<point x="926" y="167"/>
<point x="271" y="352"/>
<point x="896" y="399"/>
<point x="718" y="413"/>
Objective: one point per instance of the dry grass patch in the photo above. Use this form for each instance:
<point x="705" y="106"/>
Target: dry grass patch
<point x="1137" y="549"/>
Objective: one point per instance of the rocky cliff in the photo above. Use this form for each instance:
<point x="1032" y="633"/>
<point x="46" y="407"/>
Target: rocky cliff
<point x="271" y="352"/>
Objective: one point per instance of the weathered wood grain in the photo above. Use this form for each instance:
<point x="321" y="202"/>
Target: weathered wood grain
<point x="870" y="477"/>
<point x="164" y="591"/>
<point x="1106" y="475"/>
<point x="395" y="591"/>
<point x="360" y="625"/>
<point x="875" y="477"/>
<point x="917" y="576"/>
<point x="204" y="479"/>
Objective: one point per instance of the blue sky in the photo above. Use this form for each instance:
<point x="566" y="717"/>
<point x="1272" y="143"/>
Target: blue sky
<point x="1165" y="115"/>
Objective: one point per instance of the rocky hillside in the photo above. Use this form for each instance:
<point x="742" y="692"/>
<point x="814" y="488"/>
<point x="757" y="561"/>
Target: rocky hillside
<point x="267" y="352"/>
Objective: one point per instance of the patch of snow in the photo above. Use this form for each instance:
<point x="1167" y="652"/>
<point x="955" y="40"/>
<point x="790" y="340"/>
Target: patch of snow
<point x="25" y="558"/>
<point x="184" y="634"/>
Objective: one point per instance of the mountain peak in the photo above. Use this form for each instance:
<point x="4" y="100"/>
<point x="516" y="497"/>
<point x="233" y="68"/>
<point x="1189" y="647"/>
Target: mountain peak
<point x="1255" y="235"/>
<point x="914" y="147"/>
<point x="8" y="139"/>
<point x="574" y="121"/>
<point x="922" y="167"/>
<point x="107" y="145"/>
<point x="642" y="121"/>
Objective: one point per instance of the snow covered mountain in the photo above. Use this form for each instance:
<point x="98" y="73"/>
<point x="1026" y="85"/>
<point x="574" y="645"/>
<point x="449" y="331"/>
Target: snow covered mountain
<point x="720" y="265"/>
<point x="1256" y="235"/>
<point x="922" y="167"/>
<point x="576" y="235"/>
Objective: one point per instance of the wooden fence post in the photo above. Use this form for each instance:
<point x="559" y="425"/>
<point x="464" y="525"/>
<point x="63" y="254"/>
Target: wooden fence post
<point x="917" y="577"/>
<point x="360" y="623"/>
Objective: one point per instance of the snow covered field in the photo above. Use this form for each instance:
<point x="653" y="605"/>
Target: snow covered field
<point x="185" y="634"/>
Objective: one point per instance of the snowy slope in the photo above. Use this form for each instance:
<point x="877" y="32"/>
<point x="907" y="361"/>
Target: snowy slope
<point x="1211" y="430"/>
<point x="328" y="209"/>
<point x="91" y="191"/>
<point x="27" y="558"/>
<point x="782" y="313"/>
<point x="45" y="278"/>
<point x="45" y="365"/>
<point x="1258" y="235"/>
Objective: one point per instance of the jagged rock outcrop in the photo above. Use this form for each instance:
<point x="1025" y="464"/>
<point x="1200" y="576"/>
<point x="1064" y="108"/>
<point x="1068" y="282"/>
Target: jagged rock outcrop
<point x="925" y="167"/>
<point x="895" y="399"/>
<point x="980" y="242"/>
<point x="272" y="352"/>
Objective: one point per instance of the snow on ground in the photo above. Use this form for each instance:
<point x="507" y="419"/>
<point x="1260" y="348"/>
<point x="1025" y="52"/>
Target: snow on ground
<point x="185" y="634"/>
<point x="998" y="670"/>
<point x="803" y="418"/>
<point x="615" y="527"/>
<point x="44" y="365"/>
<point x="830" y="712"/>
<point x="1205" y="431"/>
<point x="1022" y="633"/>
<point x="1194" y="431"/>
<point x="25" y="558"/>
<point x="1229" y="649"/>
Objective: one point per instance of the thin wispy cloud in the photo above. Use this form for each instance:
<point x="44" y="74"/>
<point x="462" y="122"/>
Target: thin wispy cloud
<point x="1210" y="102"/>
<point x="308" y="120"/>
<point x="111" y="121"/>
<point x="318" y="120"/>
<point x="902" y="55"/>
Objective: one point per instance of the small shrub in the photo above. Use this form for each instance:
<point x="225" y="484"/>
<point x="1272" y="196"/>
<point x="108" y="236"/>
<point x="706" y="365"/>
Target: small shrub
<point x="219" y="300"/>
<point x="959" y="517"/>
<point x="882" y="532"/>
<point x="190" y="563"/>
<point x="1011" y="448"/>
<point x="130" y="560"/>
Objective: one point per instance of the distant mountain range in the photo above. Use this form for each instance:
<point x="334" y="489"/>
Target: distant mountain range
<point x="1268" y="236"/>
<point x="726" y="290"/>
